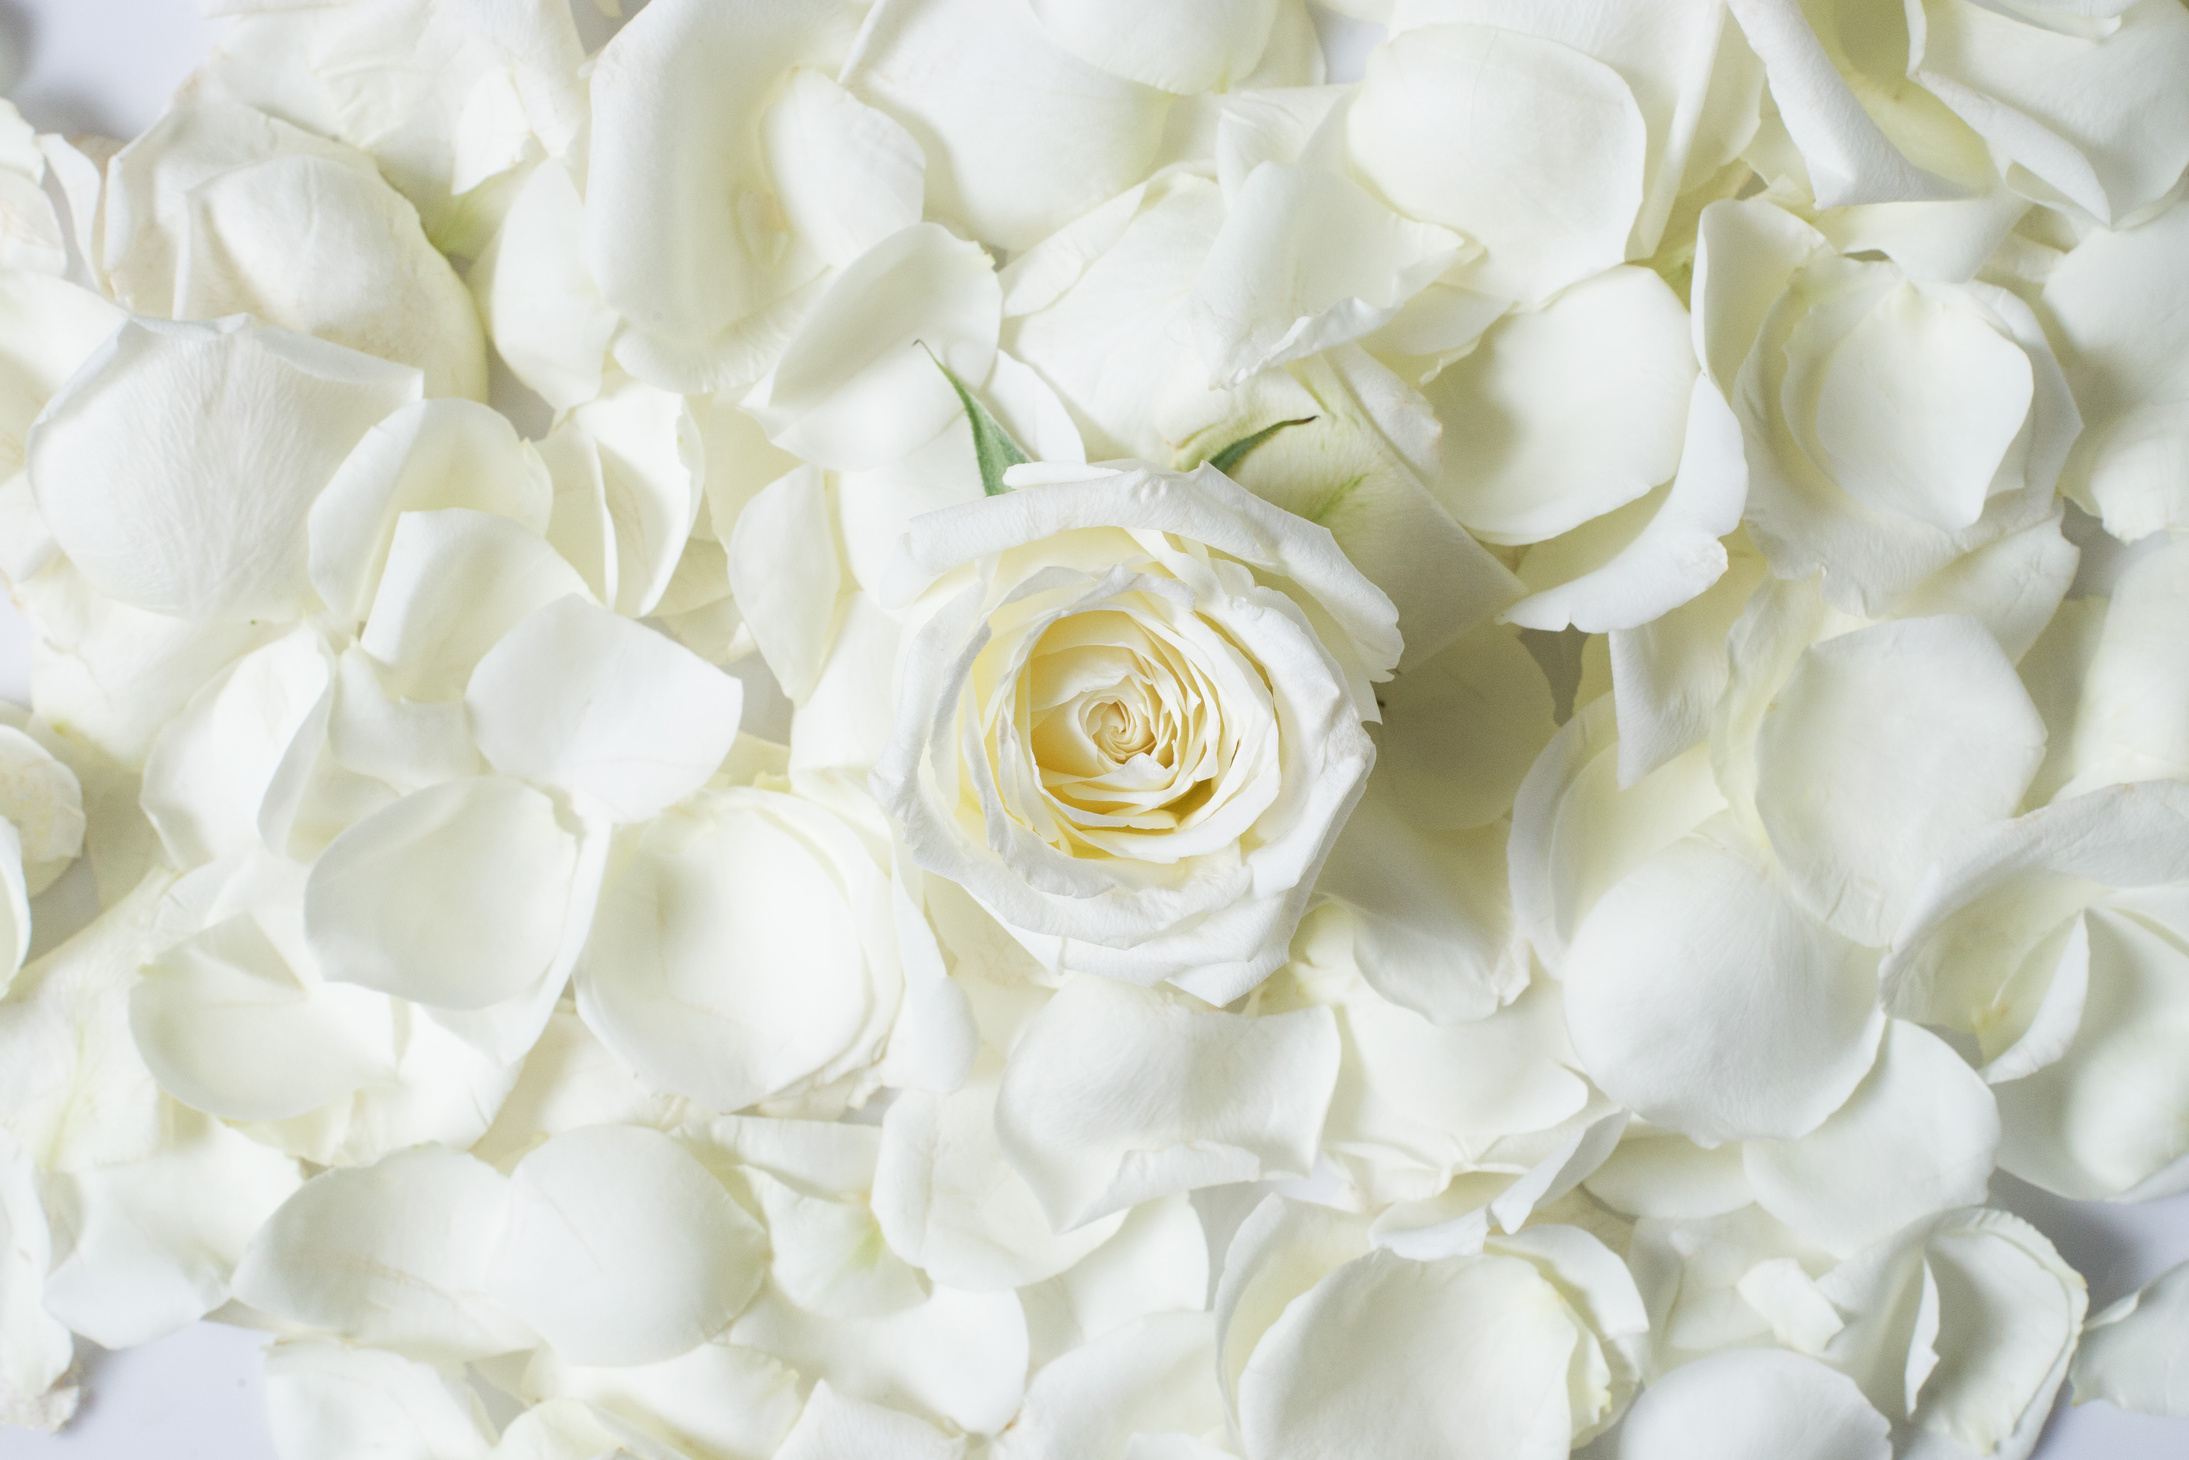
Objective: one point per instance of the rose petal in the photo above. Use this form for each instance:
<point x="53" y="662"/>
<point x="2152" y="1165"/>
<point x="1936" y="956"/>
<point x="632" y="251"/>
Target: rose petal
<point x="957" y="1359"/>
<point x="427" y="456"/>
<point x="1755" y="1402"/>
<point x="746" y="948"/>
<point x="35" y="1348"/>
<point x="1880" y="747"/>
<point x="454" y="896"/>
<point x="393" y="1255"/>
<point x="950" y="1203"/>
<point x="1275" y="288"/>
<point x="623" y="1249"/>
<point x="1181" y="51"/>
<point x="2132" y="1354"/>
<point x="456" y="581"/>
<point x="2116" y="301"/>
<point x="718" y="1399"/>
<point x="1042" y="139"/>
<point x="229" y="1027"/>
<point x="328" y="1399"/>
<point x="847" y="175"/>
<point x="834" y="1427"/>
<point x="1114" y="1095"/>
<point x="1569" y="411"/>
<point x="134" y="462"/>
<point x="786" y="574"/>
<point x="143" y="1247"/>
<point x="618" y="717"/>
<point x="225" y="777"/>
<point x="1438" y="129"/>
<point x="1151" y="1376"/>
<point x="857" y="387"/>
<point x="1331" y="1374"/>
<point x="1919" y="1134"/>
<point x="1703" y="998"/>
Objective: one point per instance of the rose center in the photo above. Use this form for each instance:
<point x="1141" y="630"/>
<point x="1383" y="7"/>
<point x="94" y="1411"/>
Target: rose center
<point x="1121" y="730"/>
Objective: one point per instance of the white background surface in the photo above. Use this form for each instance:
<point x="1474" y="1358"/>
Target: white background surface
<point x="108" y="66"/>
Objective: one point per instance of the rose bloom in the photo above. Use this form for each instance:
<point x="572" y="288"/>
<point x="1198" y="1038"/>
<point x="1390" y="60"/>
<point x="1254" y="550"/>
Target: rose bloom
<point x="1130" y="716"/>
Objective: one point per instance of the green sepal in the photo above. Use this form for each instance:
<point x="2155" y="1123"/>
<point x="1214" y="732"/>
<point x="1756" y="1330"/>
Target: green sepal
<point x="1240" y="449"/>
<point x="993" y="447"/>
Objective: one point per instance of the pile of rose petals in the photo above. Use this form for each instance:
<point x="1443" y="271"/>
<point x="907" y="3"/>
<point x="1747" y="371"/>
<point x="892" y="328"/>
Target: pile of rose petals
<point x="902" y="729"/>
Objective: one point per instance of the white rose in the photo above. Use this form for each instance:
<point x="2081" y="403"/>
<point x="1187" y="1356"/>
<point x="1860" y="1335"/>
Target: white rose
<point x="1130" y="717"/>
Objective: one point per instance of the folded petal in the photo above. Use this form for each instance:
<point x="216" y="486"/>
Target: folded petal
<point x="787" y="575"/>
<point x="1306" y="259"/>
<point x="547" y="319"/>
<point x="834" y="1427"/>
<point x="847" y="175"/>
<point x="1629" y="568"/>
<point x="1334" y="1373"/>
<point x="1568" y="411"/>
<point x="229" y="1026"/>
<point x="1152" y="1376"/>
<point x="1961" y="1326"/>
<point x="1114" y="1095"/>
<point x="1849" y="157"/>
<point x="35" y="1348"/>
<point x="225" y="777"/>
<point x="1488" y="681"/>
<point x="653" y="473"/>
<point x="858" y="386"/>
<point x="2132" y="722"/>
<point x="456" y="581"/>
<point x="618" y="717"/>
<point x="716" y="1399"/>
<point x="220" y="210"/>
<point x="2134" y="1353"/>
<point x="958" y="1359"/>
<point x="427" y="456"/>
<point x="683" y="230"/>
<point x="143" y="1247"/>
<point x="2116" y="304"/>
<point x="2097" y="117"/>
<point x="950" y="1203"/>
